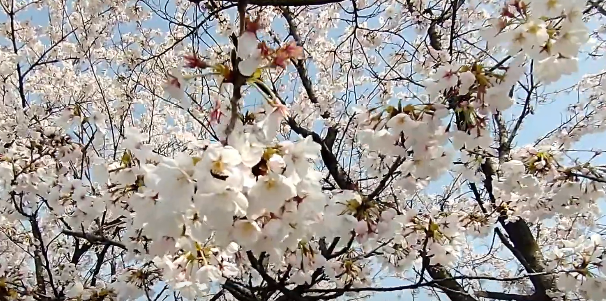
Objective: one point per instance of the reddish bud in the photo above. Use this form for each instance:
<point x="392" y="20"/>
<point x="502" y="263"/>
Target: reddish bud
<point x="265" y="50"/>
<point x="192" y="61"/>
<point x="506" y="13"/>
<point x="449" y="74"/>
<point x="281" y="58"/>
<point x="289" y="51"/>
<point x="173" y="81"/>
<point x="502" y="24"/>
<point x="294" y="51"/>
<point x="215" y="113"/>
<point x="253" y="26"/>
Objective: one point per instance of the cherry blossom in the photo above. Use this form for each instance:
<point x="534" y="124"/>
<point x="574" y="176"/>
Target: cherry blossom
<point x="192" y="61"/>
<point x="175" y="84"/>
<point x="171" y="151"/>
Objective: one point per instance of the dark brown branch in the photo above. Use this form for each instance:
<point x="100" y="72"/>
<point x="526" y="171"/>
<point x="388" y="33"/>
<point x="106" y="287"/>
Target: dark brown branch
<point x="525" y="112"/>
<point x="20" y="76"/>
<point x="79" y="251"/>
<point x="299" y="65"/>
<point x="505" y="296"/>
<point x="588" y="177"/>
<point x="330" y="160"/>
<point x="41" y="248"/>
<point x="237" y="291"/>
<point x="523" y="241"/>
<point x="257" y="265"/>
<point x="386" y="178"/>
<point x="99" y="264"/>
<point x="217" y="295"/>
<point x="238" y="79"/>
<point x="447" y="283"/>
<point x="38" y="270"/>
<point x="94" y="239"/>
<point x="524" y="245"/>
<point x="343" y="250"/>
<point x="331" y="136"/>
<point x="433" y="283"/>
<point x="516" y="253"/>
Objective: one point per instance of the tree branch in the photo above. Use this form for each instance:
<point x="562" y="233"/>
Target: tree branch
<point x="524" y="246"/>
<point x="94" y="239"/>
<point x="330" y="160"/>
<point x="447" y="283"/>
<point x="504" y="296"/>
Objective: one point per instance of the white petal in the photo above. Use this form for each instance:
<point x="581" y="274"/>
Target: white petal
<point x="208" y="273"/>
<point x="174" y="92"/>
<point x="99" y="173"/>
<point x="309" y="147"/>
<point x="248" y="66"/>
<point x="247" y="44"/>
<point x="213" y="152"/>
<point x="270" y="126"/>
<point x="246" y="232"/>
<point x="232" y="248"/>
<point x="231" y="156"/>
<point x="361" y="227"/>
<point x="241" y="203"/>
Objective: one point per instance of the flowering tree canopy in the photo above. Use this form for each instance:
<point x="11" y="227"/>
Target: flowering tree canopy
<point x="301" y="150"/>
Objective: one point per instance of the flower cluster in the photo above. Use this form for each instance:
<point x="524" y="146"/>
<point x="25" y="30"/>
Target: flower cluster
<point x="207" y="204"/>
<point x="550" y="32"/>
<point x="253" y="53"/>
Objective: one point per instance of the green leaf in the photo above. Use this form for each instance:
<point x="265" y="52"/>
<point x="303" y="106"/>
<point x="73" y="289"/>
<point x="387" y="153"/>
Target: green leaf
<point x="126" y="158"/>
<point x="257" y="74"/>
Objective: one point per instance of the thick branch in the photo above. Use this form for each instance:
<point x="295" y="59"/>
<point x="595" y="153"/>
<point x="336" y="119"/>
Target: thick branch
<point x="523" y="240"/>
<point x="449" y="286"/>
<point x="237" y="291"/>
<point x="432" y="283"/>
<point x="257" y="265"/>
<point x="41" y="250"/>
<point x="238" y="79"/>
<point x="99" y="264"/>
<point x="505" y="296"/>
<point x="334" y="168"/>
<point x="526" y="248"/>
<point x="94" y="239"/>
<point x="299" y="65"/>
<point x="383" y="182"/>
<point x="38" y="270"/>
<point x="331" y="136"/>
<point x="330" y="160"/>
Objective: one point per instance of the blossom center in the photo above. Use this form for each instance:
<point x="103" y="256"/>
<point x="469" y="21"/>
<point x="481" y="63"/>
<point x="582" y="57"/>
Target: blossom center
<point x="551" y="4"/>
<point x="248" y="229"/>
<point x="174" y="81"/>
<point x="218" y="166"/>
<point x="270" y="184"/>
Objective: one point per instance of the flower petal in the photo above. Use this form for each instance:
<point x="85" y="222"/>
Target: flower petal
<point x="247" y="44"/>
<point x="248" y="66"/>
